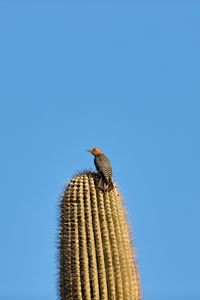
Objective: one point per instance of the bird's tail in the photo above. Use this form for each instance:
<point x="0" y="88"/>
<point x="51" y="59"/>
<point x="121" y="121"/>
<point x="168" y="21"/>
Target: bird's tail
<point x="110" y="185"/>
<point x="106" y="185"/>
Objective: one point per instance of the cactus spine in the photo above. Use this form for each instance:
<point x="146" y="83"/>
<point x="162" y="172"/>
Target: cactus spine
<point x="97" y="260"/>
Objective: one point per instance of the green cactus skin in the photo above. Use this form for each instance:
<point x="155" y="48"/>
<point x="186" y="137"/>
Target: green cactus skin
<point x="97" y="260"/>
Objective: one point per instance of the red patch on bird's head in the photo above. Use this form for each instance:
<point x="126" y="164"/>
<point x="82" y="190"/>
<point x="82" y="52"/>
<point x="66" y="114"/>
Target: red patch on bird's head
<point x="95" y="151"/>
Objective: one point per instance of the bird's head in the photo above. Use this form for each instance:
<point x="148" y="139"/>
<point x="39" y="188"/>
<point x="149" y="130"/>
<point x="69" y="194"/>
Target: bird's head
<point x="95" y="151"/>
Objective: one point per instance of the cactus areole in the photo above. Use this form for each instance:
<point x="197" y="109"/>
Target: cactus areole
<point x="97" y="259"/>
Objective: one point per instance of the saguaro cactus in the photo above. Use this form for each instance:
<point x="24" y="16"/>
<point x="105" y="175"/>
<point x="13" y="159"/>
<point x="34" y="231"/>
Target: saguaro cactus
<point x="97" y="260"/>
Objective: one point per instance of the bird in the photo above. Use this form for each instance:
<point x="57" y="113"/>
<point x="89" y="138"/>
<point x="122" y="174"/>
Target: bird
<point x="103" y="167"/>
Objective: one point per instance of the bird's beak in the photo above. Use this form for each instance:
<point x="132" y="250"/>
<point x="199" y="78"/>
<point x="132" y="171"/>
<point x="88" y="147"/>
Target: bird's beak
<point x="88" y="150"/>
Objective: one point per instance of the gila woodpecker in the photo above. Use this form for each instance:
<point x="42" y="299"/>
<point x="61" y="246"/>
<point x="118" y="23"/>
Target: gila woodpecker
<point x="104" y="168"/>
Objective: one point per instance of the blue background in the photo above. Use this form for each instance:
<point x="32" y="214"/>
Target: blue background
<point x="120" y="75"/>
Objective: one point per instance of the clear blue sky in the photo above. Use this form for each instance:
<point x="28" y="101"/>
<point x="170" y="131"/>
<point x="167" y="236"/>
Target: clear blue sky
<point x="124" y="76"/>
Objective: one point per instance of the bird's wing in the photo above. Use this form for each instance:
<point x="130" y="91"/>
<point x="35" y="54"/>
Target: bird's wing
<point x="103" y="163"/>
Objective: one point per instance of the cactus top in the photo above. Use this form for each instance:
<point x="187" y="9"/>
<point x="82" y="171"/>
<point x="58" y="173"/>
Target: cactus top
<point x="97" y="260"/>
